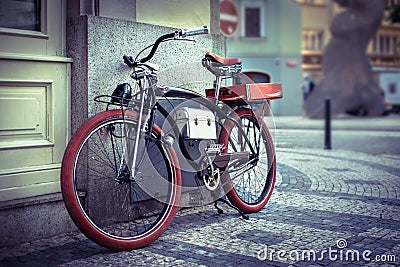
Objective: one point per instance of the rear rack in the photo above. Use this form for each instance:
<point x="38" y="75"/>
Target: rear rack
<point x="252" y="93"/>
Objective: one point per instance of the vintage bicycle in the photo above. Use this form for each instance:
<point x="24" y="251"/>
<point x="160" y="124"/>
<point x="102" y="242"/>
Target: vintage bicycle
<point x="125" y="169"/>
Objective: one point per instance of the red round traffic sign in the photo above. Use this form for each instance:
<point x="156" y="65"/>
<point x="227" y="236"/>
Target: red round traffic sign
<point x="229" y="17"/>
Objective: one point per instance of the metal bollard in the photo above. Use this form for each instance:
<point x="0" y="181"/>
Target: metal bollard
<point x="328" y="123"/>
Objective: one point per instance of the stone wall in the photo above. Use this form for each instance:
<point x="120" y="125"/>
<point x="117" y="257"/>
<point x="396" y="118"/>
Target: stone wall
<point x="97" y="44"/>
<point x="40" y="217"/>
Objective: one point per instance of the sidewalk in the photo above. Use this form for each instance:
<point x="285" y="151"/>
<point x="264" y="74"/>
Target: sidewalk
<point x="328" y="207"/>
<point x="386" y="123"/>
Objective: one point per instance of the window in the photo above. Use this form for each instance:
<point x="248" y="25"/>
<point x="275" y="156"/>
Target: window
<point x="392" y="88"/>
<point x="385" y="44"/>
<point x="253" y="18"/>
<point x="312" y="39"/>
<point x="20" y="14"/>
<point x="252" y="22"/>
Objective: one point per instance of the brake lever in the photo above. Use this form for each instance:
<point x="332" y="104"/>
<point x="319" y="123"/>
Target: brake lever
<point x="128" y="60"/>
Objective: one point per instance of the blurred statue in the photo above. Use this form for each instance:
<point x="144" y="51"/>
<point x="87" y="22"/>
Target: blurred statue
<point x="348" y="78"/>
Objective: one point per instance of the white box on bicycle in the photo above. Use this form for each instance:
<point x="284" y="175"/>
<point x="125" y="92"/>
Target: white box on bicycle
<point x="195" y="123"/>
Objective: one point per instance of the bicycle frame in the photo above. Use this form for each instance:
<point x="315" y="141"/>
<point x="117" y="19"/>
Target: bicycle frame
<point x="184" y="94"/>
<point x="147" y="75"/>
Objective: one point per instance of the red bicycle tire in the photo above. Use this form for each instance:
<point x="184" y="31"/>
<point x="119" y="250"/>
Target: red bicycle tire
<point x="72" y="203"/>
<point x="229" y="188"/>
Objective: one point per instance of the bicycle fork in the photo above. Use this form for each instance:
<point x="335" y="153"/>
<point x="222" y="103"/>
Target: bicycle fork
<point x="138" y="133"/>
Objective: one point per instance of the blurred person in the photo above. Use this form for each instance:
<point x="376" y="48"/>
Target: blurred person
<point x="307" y="86"/>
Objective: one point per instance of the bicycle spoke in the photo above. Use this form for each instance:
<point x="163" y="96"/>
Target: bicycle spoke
<point x="102" y="148"/>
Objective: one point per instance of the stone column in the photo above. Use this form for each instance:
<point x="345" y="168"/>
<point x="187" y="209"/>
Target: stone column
<point x="97" y="44"/>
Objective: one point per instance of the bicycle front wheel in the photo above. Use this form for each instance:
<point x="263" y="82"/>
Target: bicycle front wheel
<point x="107" y="204"/>
<point x="249" y="185"/>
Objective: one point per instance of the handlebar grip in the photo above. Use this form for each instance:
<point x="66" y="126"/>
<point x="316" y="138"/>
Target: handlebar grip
<point x="195" y="31"/>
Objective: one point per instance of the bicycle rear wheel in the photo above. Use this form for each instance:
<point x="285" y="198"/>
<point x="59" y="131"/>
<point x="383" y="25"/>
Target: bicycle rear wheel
<point x="107" y="204"/>
<point x="249" y="185"/>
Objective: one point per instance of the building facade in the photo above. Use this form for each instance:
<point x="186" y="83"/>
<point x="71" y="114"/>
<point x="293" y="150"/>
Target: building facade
<point x="268" y="40"/>
<point x="384" y="52"/>
<point x="55" y="55"/>
<point x="34" y="90"/>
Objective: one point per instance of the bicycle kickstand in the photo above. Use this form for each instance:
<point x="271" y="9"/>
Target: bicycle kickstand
<point x="220" y="211"/>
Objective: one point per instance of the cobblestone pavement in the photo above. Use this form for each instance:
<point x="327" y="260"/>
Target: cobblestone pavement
<point x="330" y="208"/>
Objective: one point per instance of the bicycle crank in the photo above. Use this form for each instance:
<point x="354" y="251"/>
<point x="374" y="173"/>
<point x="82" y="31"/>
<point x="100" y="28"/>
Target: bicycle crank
<point x="212" y="181"/>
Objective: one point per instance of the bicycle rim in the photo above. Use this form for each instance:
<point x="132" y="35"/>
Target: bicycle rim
<point x="106" y="204"/>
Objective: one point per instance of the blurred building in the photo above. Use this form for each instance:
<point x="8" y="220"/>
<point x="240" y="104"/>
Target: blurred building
<point x="54" y="57"/>
<point x="268" y="40"/>
<point x="383" y="50"/>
